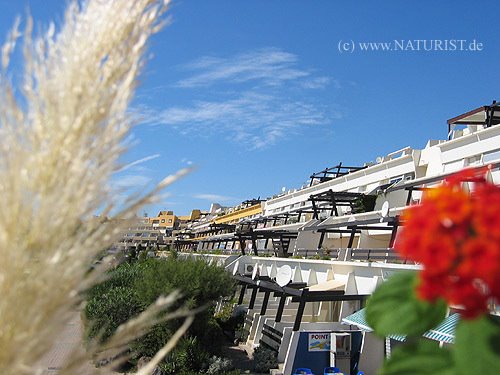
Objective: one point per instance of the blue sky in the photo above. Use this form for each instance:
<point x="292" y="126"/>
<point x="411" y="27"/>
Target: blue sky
<point x="257" y="95"/>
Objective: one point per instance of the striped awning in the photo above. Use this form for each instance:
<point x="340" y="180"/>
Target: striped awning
<point x="444" y="332"/>
<point x="358" y="319"/>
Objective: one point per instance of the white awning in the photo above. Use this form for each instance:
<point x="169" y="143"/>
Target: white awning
<point x="328" y="285"/>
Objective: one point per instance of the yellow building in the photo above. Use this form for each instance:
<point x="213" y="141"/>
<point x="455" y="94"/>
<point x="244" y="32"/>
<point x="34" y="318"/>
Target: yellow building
<point x="237" y="214"/>
<point x="168" y="220"/>
<point x="195" y="215"/>
<point x="165" y="219"/>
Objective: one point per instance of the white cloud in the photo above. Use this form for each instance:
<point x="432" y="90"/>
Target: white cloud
<point x="269" y="66"/>
<point x="131" y="181"/>
<point x="140" y="161"/>
<point x="255" y="98"/>
<point x="318" y="83"/>
<point x="214" y="197"/>
<point x="254" y="119"/>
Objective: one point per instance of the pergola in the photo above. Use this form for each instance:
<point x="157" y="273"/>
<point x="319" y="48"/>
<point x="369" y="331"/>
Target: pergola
<point x="185" y="244"/>
<point x="280" y="246"/>
<point x="299" y="292"/>
<point x="252" y="202"/>
<point x="215" y="229"/>
<point x="331" y="201"/>
<point x="280" y="239"/>
<point x="219" y="242"/>
<point x="370" y="221"/>
<point x="356" y="226"/>
<point x="331" y="173"/>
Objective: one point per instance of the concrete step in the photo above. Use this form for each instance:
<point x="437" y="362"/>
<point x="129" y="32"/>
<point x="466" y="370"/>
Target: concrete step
<point x="277" y="371"/>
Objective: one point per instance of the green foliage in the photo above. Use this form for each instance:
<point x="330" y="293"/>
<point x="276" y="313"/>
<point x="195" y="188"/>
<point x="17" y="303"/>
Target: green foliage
<point x="131" y="287"/>
<point x="143" y="255"/>
<point x="200" y="283"/>
<point x="152" y="341"/>
<point x="226" y="312"/>
<point x="122" y="276"/>
<point x="395" y="309"/>
<point x="477" y="346"/>
<point x="365" y="203"/>
<point x="230" y="320"/>
<point x="112" y="303"/>
<point x="264" y="359"/>
<point x="112" y="308"/>
<point x="188" y="355"/>
<point x="240" y="334"/>
<point x="218" y="365"/>
<point x="419" y="358"/>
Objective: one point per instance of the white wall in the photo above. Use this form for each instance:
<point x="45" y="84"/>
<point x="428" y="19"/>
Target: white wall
<point x="370" y="177"/>
<point x="372" y="354"/>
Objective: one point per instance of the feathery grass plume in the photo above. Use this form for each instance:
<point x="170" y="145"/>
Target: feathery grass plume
<point x="61" y="137"/>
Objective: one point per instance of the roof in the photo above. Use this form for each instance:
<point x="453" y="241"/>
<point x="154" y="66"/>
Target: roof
<point x="485" y="115"/>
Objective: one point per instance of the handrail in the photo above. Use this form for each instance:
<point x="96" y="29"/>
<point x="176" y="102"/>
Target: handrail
<point x="433" y="179"/>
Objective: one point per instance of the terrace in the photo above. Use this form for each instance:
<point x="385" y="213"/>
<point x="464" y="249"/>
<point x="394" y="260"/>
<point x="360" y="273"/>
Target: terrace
<point x="328" y="174"/>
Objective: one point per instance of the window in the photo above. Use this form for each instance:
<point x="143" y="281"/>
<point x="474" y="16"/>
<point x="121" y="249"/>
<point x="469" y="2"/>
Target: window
<point x="395" y="180"/>
<point x="474" y="160"/>
<point x="491" y="156"/>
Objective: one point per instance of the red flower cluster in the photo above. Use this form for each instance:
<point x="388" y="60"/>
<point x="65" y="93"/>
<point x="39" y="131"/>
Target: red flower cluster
<point x="455" y="235"/>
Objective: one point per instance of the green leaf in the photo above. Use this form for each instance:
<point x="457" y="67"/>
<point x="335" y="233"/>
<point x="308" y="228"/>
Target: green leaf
<point x="395" y="309"/>
<point x="477" y="346"/>
<point x="419" y="358"/>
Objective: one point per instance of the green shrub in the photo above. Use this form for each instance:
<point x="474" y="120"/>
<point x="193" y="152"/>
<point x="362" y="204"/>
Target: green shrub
<point x="111" y="303"/>
<point x="218" y="365"/>
<point x="107" y="311"/>
<point x="264" y="359"/>
<point x="364" y="203"/>
<point x="231" y="321"/>
<point x="150" y="342"/>
<point x="188" y="355"/>
<point x="131" y="287"/>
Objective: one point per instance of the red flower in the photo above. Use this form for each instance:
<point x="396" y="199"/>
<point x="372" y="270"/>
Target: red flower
<point x="456" y="237"/>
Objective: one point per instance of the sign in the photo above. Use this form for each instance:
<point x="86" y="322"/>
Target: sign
<point x="319" y="342"/>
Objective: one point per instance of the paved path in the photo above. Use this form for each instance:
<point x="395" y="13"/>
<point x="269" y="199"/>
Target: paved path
<point x="238" y="354"/>
<point x="68" y="340"/>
